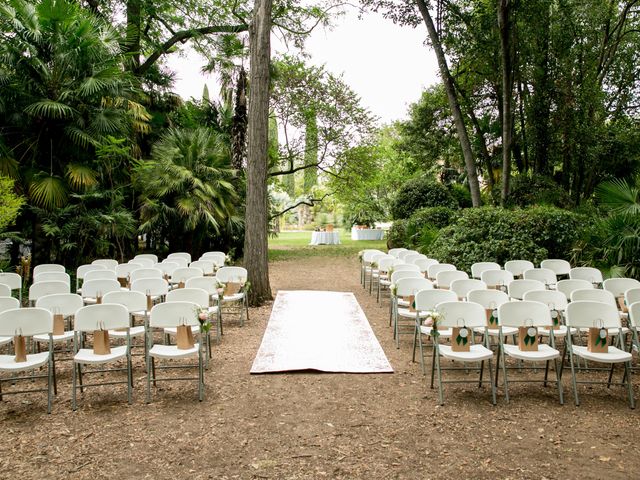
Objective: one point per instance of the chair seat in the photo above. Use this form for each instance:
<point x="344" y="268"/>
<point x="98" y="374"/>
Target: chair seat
<point x="86" y="355"/>
<point x="406" y="313"/>
<point x="385" y="282"/>
<point x="444" y="333"/>
<point x="476" y="353"/>
<point x="544" y="353"/>
<point x="8" y="362"/>
<point x="133" y="331"/>
<point x="174" y="330"/>
<point x="614" y="355"/>
<point x="560" y="332"/>
<point x="172" y="351"/>
<point x="402" y="302"/>
<point x="495" y="332"/>
<point x="233" y="298"/>
<point x="6" y="340"/>
<point x="65" y="337"/>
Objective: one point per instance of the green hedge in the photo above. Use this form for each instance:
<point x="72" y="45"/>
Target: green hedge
<point x="423" y="226"/>
<point x="495" y="234"/>
<point x="419" y="193"/>
<point x="397" y="234"/>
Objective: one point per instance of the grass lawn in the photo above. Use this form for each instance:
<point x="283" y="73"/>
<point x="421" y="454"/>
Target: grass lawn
<point x="288" y="245"/>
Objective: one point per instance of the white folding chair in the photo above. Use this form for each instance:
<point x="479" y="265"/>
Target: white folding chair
<point x="200" y="297"/>
<point x="82" y="270"/>
<point x="211" y="286"/>
<point x="182" y="274"/>
<point x="394" y="301"/>
<point x="41" y="289"/>
<point x="497" y="279"/>
<point x="65" y="304"/>
<point x="433" y="270"/>
<point x="518" y="288"/>
<point x="529" y="316"/>
<point x="465" y="316"/>
<point x="409" y="267"/>
<point x="394" y="252"/>
<point x="47" y="267"/>
<point x="139" y="273"/>
<point x="123" y="272"/>
<point x="108" y="263"/>
<point x="365" y="265"/>
<point x="144" y="262"/>
<point x="7" y="303"/>
<point x="444" y="278"/>
<point x="385" y="265"/>
<point x="559" y="267"/>
<point x="584" y="314"/>
<point x="53" y="277"/>
<point x="105" y="274"/>
<point x="618" y="286"/>
<point x="412" y="257"/>
<point x="463" y="286"/>
<point x="518" y="267"/>
<point x="426" y="301"/>
<point x="146" y="256"/>
<point x="479" y="267"/>
<point x="184" y="255"/>
<point x="423" y="264"/>
<point x="632" y="296"/>
<point x="92" y="290"/>
<point x="490" y="300"/>
<point x="544" y="275"/>
<point x="136" y="305"/>
<point x="234" y="275"/>
<point x="568" y="286"/>
<point x="27" y="322"/>
<point x="602" y="296"/>
<point x="168" y="268"/>
<point x="173" y="315"/>
<point x="403" y="317"/>
<point x="557" y="303"/>
<point x="155" y="288"/>
<point x="207" y="267"/>
<point x="13" y="281"/>
<point x="589" y="274"/>
<point x="373" y="268"/>
<point x="92" y="319"/>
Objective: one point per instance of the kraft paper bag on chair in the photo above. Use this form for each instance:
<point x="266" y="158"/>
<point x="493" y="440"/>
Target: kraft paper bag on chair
<point x="124" y="283"/>
<point x="412" y="303"/>
<point x="231" y="288"/>
<point x="492" y="317"/>
<point x="20" y="347"/>
<point x="528" y="339"/>
<point x="181" y="284"/>
<point x="99" y="299"/>
<point x="597" y="340"/>
<point x="101" y="344"/>
<point x="460" y="339"/>
<point x="622" y="305"/>
<point x="58" y="324"/>
<point x="184" y="340"/>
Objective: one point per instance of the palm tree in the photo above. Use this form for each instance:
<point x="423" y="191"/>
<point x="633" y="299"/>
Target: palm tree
<point x="187" y="189"/>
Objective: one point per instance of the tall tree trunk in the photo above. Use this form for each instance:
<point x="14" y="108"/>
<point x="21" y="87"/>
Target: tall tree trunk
<point x="256" y="253"/>
<point x="504" y="23"/>
<point x="463" y="136"/>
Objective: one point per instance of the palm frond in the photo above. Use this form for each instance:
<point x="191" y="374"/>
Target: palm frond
<point x="619" y="196"/>
<point x="48" y="192"/>
<point x="81" y="176"/>
<point x="50" y="109"/>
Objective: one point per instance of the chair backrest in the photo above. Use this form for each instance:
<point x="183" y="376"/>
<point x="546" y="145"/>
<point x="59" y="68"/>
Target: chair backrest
<point x="100" y="286"/>
<point x="517" y="288"/>
<point x="496" y="278"/>
<point x="634" y="314"/>
<point x="568" y="286"/>
<point x="544" y="275"/>
<point x="106" y="316"/>
<point x="405" y="267"/>
<point x="152" y="286"/>
<point x="586" y="314"/>
<point x="458" y="314"/>
<point x="589" y="274"/>
<point x="402" y="255"/>
<point x="218" y="258"/>
<point x="185" y="255"/>
<point x="109" y="263"/>
<point x="52" y="277"/>
<point x="409" y="286"/>
<point x="5" y="290"/>
<point x="463" y="286"/>
<point x="429" y="298"/>
<point x="13" y="280"/>
<point x="61" y="303"/>
<point x="147" y="256"/>
<point x="132" y="301"/>
<point x="444" y="278"/>
<point x="424" y="263"/>
<point x="207" y="267"/>
<point x="182" y="274"/>
<point x="124" y="269"/>
<point x="209" y="284"/>
<point x="167" y="267"/>
<point x="479" y="267"/>
<point x="82" y="270"/>
<point x="397" y="275"/>
<point x="41" y="289"/>
<point x="143" y="262"/>
<point x="632" y="296"/>
<point x="594" y="295"/>
<point x="559" y="267"/>
<point x="105" y="274"/>
<point x="139" y="273"/>
<point x="394" y="252"/>
<point x="518" y="267"/>
<point x="553" y="299"/>
<point x="232" y="274"/>
<point x="8" y="303"/>
<point x="433" y="270"/>
<point x="47" y="267"/>
<point x="524" y="314"/>
<point x="376" y="258"/>
<point x="27" y="322"/>
<point x="174" y="314"/>
<point x="618" y="286"/>
<point x="385" y="264"/>
<point x="198" y="296"/>
<point x="411" y="257"/>
<point x="488" y="298"/>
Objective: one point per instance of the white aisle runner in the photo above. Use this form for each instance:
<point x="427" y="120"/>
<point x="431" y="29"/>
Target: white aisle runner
<point x="326" y="331"/>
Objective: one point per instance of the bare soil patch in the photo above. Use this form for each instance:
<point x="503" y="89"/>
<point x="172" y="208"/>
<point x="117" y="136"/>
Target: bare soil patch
<point x="317" y="425"/>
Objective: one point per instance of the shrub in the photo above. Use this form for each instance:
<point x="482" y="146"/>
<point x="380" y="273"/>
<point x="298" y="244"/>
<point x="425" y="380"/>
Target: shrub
<point x="397" y="235"/>
<point x="418" y="193"/>
<point x="536" y="190"/>
<point x="462" y="195"/>
<point x="423" y="226"/>
<point x="495" y="234"/>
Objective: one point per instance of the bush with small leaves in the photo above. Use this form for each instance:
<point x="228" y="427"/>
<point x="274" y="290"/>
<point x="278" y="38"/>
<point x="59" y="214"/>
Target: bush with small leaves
<point x="419" y="193"/>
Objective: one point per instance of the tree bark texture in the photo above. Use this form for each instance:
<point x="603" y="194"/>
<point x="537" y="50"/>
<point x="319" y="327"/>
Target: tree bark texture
<point x="463" y="136"/>
<point x="257" y="214"/>
<point x="504" y="23"/>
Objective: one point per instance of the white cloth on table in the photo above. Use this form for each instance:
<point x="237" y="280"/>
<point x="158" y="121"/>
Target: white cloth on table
<point x="367" y="234"/>
<point x="325" y="238"/>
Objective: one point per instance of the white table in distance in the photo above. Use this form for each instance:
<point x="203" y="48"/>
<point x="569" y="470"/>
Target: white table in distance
<point x="325" y="238"/>
<point x="367" y="234"/>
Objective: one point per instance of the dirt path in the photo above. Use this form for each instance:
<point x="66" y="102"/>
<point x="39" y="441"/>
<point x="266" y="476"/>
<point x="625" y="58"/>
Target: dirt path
<point x="306" y="425"/>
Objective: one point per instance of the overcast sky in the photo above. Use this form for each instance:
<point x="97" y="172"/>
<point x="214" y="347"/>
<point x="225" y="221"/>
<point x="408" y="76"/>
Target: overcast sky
<point x="386" y="65"/>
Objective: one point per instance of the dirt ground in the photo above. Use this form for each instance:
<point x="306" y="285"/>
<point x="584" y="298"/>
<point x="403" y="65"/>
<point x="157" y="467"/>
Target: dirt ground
<point x="317" y="425"/>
